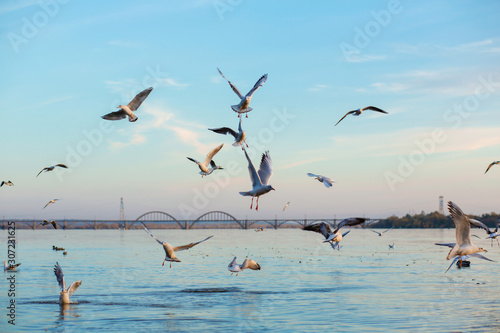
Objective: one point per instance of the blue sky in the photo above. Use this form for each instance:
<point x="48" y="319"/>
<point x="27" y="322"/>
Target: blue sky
<point x="433" y="66"/>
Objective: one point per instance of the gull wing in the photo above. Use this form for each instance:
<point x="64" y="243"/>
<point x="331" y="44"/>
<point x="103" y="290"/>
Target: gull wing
<point x="240" y="130"/>
<point x="254" y="176"/>
<point x="454" y="261"/>
<point x="462" y="224"/>
<point x="48" y="203"/>
<point x="388" y="229"/>
<point x="345" y="233"/>
<point x="348" y="113"/>
<point x="74" y="286"/>
<point x="60" y="276"/>
<point x="375" y="232"/>
<point x="479" y="224"/>
<point x="150" y="234"/>
<point x="187" y="247"/>
<point x="62" y="165"/>
<point x="212" y="154"/>
<point x="38" y="173"/>
<point x="266" y="168"/>
<point x="352" y="221"/>
<point x="374" y="108"/>
<point x="117" y="115"/>
<point x="139" y="98"/>
<point x="249" y="263"/>
<point x="257" y="85"/>
<point x="193" y="160"/>
<point x="327" y="181"/>
<point x="313" y="175"/>
<point x="491" y="164"/>
<point x="322" y="228"/>
<point x="225" y="130"/>
<point x="477" y="255"/>
<point x="450" y="245"/>
<point x="236" y="91"/>
<point x="232" y="263"/>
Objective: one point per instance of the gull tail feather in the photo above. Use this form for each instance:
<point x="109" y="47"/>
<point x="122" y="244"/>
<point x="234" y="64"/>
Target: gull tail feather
<point x="454" y="261"/>
<point x="246" y="194"/>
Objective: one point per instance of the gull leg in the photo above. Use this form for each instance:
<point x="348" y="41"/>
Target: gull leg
<point x="251" y="205"/>
<point x="257" y="208"/>
<point x="170" y="264"/>
<point x="163" y="263"/>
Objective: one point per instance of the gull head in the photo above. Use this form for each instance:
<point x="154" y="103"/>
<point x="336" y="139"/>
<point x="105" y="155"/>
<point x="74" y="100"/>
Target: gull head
<point x="482" y="250"/>
<point x="121" y="106"/>
<point x="269" y="187"/>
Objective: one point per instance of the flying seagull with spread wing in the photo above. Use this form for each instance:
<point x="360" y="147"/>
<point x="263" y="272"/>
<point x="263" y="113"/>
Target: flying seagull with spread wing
<point x="491" y="164"/>
<point x="381" y="233"/>
<point x="242" y="107"/>
<point x="328" y="182"/>
<point x="334" y="237"/>
<point x="463" y="246"/>
<point x="128" y="110"/>
<point x="169" y="249"/>
<point x="359" y="111"/>
<point x="259" y="179"/>
<point x="52" y="167"/>
<point x="45" y="222"/>
<point x="205" y="171"/>
<point x="65" y="293"/>
<point x="8" y="183"/>
<point x="233" y="267"/>
<point x="239" y="137"/>
<point x="51" y="202"/>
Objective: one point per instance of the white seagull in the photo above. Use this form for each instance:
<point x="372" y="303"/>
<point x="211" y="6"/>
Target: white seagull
<point x="169" y="249"/>
<point x="233" y="267"/>
<point x="65" y="293"/>
<point x="10" y="268"/>
<point x="259" y="179"/>
<point x="494" y="234"/>
<point x="8" y="183"/>
<point x="50" y="202"/>
<point x="52" y="167"/>
<point x="287" y="204"/>
<point x="381" y="233"/>
<point x="491" y="164"/>
<point x="464" y="245"/>
<point x="128" y="110"/>
<point x="205" y="171"/>
<point x="334" y="237"/>
<point x="45" y="222"/>
<point x="322" y="179"/>
<point x="491" y="234"/>
<point x="242" y="107"/>
<point x="239" y="137"/>
<point x="359" y="111"/>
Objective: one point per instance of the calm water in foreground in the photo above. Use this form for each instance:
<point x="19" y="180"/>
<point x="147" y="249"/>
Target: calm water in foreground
<point x="303" y="286"/>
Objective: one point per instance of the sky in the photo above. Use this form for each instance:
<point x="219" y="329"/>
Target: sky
<point x="433" y="66"/>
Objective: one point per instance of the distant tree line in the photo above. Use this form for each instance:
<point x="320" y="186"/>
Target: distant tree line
<point x="431" y="220"/>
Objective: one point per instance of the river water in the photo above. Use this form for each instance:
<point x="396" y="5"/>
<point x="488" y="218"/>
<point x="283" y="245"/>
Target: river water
<point x="303" y="285"/>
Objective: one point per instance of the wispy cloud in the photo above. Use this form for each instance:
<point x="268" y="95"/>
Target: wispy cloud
<point x="357" y="56"/>
<point x="317" y="87"/>
<point x="171" y="82"/>
<point x="136" y="139"/>
<point x="303" y="162"/>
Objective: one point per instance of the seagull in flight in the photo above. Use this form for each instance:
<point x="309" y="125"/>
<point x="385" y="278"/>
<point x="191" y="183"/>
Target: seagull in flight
<point x="391" y="247"/>
<point x="239" y="137"/>
<point x="491" y="234"/>
<point x="8" y="183"/>
<point x="381" y="233"/>
<point x="128" y="110"/>
<point x="464" y="245"/>
<point x="359" y="111"/>
<point x="322" y="179"/>
<point x="50" y="202"/>
<point x="259" y="179"/>
<point x="334" y="237"/>
<point x="491" y="164"/>
<point x="205" y="171"/>
<point x="494" y="234"/>
<point x="65" y="293"/>
<point x="242" y="107"/>
<point x="45" y="222"/>
<point x="169" y="249"/>
<point x="10" y="268"/>
<point x="287" y="204"/>
<point x="52" y="167"/>
<point x="233" y="267"/>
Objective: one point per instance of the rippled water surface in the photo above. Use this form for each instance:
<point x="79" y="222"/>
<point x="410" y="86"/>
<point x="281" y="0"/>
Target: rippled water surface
<point x="303" y="286"/>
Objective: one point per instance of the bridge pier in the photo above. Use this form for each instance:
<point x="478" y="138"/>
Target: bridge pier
<point x="95" y="224"/>
<point x="34" y="225"/>
<point x="246" y="224"/>
<point x="186" y="225"/>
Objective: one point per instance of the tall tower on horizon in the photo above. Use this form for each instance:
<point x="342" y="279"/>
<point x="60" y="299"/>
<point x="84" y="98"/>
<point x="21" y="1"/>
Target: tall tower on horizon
<point x="122" y="210"/>
<point x="441" y="205"/>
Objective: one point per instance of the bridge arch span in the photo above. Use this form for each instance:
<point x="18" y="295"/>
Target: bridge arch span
<point x="156" y="217"/>
<point x="217" y="216"/>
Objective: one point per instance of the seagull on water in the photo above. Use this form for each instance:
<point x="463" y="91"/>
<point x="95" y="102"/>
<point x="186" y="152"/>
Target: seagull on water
<point x="322" y="179"/>
<point x="381" y="233"/>
<point x="8" y="183"/>
<point x="10" y="268"/>
<point x="242" y="107"/>
<point x="205" y="171"/>
<point x="169" y="249"/>
<point x="464" y="245"/>
<point x="50" y="202"/>
<point x="127" y="110"/>
<point x="239" y="137"/>
<point x="233" y="267"/>
<point x="491" y="164"/>
<point x="65" y="293"/>
<point x="52" y="167"/>
<point x="287" y="204"/>
<point x="334" y="237"/>
<point x="359" y="111"/>
<point x="259" y="179"/>
<point x="45" y="222"/>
